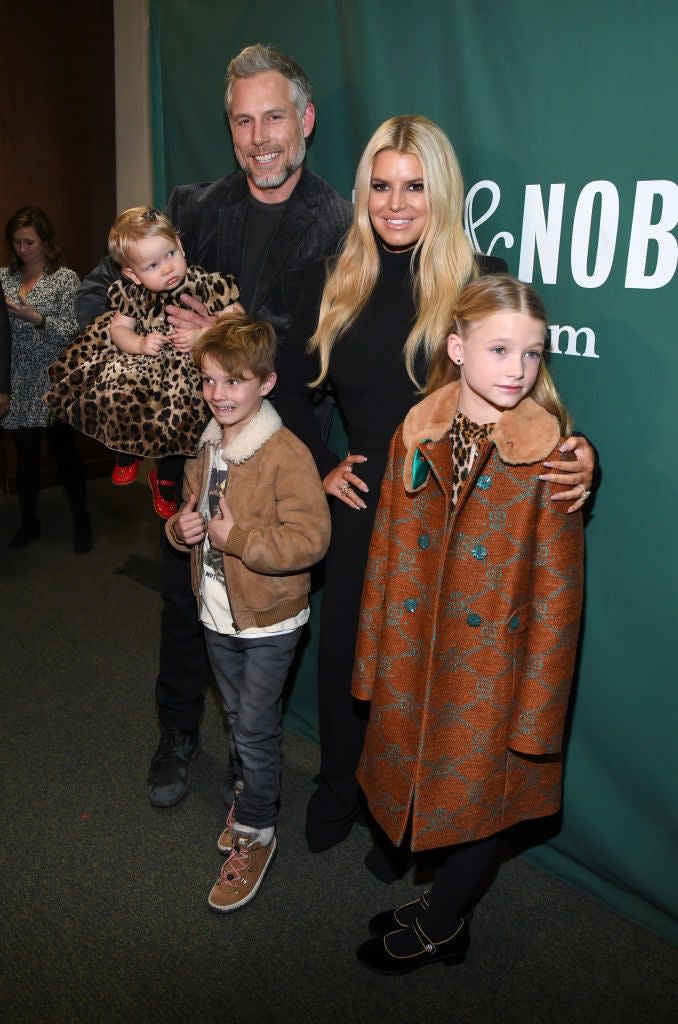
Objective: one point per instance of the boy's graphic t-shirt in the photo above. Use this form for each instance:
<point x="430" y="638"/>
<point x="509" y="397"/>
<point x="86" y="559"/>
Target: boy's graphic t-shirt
<point x="215" y="612"/>
<point x="216" y="488"/>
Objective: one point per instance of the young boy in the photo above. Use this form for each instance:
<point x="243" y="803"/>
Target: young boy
<point x="255" y="518"/>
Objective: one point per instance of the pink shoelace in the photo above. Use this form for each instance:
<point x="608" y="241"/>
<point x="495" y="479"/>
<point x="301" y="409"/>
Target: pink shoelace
<point x="230" y="817"/>
<point x="234" y="866"/>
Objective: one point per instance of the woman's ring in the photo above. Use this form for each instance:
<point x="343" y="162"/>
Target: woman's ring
<point x="585" y="494"/>
<point x="345" y="489"/>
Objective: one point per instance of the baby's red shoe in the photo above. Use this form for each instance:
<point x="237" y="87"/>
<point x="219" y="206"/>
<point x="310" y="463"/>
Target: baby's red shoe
<point x="163" y="506"/>
<point x="123" y="475"/>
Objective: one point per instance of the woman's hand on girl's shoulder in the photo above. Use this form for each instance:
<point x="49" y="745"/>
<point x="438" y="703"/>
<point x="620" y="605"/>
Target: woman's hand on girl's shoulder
<point x="575" y="474"/>
<point x="343" y="483"/>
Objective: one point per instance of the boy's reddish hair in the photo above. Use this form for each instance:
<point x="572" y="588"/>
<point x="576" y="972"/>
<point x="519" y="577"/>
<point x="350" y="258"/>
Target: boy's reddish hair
<point x="239" y="345"/>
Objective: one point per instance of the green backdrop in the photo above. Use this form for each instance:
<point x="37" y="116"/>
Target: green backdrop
<point x="563" y="121"/>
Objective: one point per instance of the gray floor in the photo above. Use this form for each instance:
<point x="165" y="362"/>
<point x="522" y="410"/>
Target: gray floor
<point x="105" y="915"/>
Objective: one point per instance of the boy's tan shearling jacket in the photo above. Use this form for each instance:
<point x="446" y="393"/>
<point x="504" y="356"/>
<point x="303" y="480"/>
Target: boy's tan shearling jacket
<point x="468" y="630"/>
<point x="282" y="520"/>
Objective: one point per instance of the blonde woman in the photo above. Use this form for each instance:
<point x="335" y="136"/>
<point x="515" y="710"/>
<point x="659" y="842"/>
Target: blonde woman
<point x="373" y="329"/>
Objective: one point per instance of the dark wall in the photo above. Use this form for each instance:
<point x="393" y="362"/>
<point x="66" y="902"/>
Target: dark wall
<point x="57" y="121"/>
<point x="57" y="146"/>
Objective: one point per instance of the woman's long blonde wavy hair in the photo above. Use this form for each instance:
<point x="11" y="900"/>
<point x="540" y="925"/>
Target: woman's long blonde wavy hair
<point x="442" y="259"/>
<point x="497" y="293"/>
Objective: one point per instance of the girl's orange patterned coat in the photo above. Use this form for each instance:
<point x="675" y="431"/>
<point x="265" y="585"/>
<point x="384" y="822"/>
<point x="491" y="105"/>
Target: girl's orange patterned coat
<point x="468" y="631"/>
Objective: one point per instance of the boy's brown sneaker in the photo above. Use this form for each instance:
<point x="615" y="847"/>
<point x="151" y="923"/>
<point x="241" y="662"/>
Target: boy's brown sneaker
<point x="242" y="874"/>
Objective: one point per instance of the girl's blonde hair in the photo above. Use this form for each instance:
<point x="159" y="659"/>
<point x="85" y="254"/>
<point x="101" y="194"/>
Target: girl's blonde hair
<point x="135" y="223"/>
<point x="442" y="260"/>
<point x="497" y="293"/>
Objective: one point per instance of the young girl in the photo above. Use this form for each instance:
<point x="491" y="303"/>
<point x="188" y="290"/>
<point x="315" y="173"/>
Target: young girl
<point x="129" y="380"/>
<point x="470" y="617"/>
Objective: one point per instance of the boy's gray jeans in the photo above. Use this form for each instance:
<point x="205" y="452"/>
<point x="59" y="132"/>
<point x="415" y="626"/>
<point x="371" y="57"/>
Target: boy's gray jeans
<point x="250" y="673"/>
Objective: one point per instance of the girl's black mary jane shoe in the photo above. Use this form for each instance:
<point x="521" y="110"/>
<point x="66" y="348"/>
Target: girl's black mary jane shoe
<point x="410" y="948"/>
<point x="391" y="920"/>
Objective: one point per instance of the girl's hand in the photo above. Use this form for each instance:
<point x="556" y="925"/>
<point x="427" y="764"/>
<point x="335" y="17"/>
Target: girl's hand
<point x="183" y="339"/>
<point x="220" y="526"/>
<point x="152" y="344"/>
<point x="343" y="483"/>
<point x="189" y="527"/>
<point x="577" y="474"/>
<point x="23" y="311"/>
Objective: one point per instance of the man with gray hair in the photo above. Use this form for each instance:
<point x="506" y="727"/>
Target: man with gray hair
<point x="257" y="60"/>
<point x="262" y="223"/>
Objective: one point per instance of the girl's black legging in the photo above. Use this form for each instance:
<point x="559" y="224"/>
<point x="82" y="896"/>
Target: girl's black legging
<point x="457" y="885"/>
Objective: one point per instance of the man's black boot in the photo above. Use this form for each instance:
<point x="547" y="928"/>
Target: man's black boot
<point x="169" y="775"/>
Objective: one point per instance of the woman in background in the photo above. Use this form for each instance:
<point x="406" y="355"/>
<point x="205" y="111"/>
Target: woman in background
<point x="39" y="295"/>
<point x="5" y="347"/>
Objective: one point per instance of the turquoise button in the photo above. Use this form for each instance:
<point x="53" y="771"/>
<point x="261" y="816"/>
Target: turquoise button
<point x="423" y="541"/>
<point x="410" y="604"/>
<point x="514" y="623"/>
<point x="484" y="482"/>
<point x="479" y="551"/>
<point x="473" y="619"/>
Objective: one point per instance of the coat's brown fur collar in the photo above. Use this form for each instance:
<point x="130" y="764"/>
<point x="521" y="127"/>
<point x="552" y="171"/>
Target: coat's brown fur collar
<point x="255" y="434"/>
<point x="522" y="435"/>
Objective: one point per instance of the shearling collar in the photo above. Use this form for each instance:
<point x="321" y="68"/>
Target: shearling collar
<point x="256" y="433"/>
<point x="522" y="435"/>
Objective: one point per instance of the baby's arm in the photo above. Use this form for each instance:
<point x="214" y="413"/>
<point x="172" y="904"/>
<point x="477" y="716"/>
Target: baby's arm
<point x="125" y="337"/>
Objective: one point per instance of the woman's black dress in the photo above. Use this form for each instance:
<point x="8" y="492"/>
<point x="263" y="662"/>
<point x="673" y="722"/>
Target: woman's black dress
<point x="373" y="393"/>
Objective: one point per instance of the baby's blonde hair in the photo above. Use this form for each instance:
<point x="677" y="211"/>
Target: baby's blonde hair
<point x="132" y="225"/>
